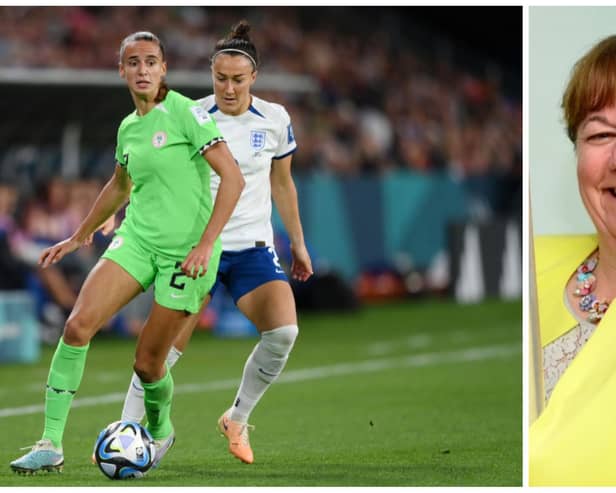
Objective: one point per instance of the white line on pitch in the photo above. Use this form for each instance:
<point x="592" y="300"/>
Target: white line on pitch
<point x="366" y="366"/>
<point x="415" y="341"/>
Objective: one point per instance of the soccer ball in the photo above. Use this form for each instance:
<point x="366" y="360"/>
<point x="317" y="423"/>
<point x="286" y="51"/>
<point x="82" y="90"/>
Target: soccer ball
<point x="124" y="450"/>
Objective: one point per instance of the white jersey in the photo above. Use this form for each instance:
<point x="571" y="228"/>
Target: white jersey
<point x="257" y="136"/>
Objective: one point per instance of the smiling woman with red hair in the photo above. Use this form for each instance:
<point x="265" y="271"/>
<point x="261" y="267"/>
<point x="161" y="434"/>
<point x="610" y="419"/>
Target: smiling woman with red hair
<point x="573" y="441"/>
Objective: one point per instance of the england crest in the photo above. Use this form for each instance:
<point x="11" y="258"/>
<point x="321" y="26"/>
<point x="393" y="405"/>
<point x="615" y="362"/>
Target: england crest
<point x="257" y="139"/>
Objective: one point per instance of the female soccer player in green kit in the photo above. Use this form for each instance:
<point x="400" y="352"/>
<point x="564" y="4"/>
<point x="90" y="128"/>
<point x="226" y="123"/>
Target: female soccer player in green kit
<point x="260" y="136"/>
<point x="169" y="238"/>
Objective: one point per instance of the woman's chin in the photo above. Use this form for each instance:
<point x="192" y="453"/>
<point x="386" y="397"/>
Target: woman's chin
<point x="144" y="94"/>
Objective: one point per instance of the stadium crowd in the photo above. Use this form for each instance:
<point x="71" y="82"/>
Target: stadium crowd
<point x="384" y="101"/>
<point x="398" y="98"/>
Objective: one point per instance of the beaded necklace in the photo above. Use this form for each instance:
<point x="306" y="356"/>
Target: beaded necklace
<point x="586" y="283"/>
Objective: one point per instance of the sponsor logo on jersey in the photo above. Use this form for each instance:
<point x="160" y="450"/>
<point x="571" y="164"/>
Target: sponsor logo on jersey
<point x="257" y="140"/>
<point x="290" y="135"/>
<point x="159" y="139"/>
<point x="200" y="114"/>
<point x="116" y="243"/>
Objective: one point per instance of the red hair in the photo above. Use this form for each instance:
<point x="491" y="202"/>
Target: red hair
<point x="592" y="85"/>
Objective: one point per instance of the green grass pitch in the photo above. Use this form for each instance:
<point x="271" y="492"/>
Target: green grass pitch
<point x="403" y="394"/>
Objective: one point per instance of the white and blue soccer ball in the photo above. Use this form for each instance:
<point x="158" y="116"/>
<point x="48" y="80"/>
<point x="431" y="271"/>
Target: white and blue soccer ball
<point x="124" y="450"/>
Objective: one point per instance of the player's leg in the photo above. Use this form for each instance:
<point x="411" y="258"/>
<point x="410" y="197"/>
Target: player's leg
<point x="155" y="340"/>
<point x="271" y="308"/>
<point x="177" y="299"/>
<point x="133" y="409"/>
<point x="269" y="304"/>
<point x="107" y="288"/>
<point x="134" y="406"/>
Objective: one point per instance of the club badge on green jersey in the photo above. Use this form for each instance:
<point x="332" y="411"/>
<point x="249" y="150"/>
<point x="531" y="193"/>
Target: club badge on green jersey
<point x="159" y="139"/>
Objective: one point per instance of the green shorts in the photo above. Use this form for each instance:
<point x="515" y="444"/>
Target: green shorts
<point x="172" y="288"/>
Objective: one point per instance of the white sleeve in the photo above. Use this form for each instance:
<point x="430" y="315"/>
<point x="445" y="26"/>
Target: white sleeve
<point x="286" y="139"/>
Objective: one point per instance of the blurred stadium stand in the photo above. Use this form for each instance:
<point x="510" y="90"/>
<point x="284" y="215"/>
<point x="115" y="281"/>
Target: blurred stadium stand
<point x="410" y="137"/>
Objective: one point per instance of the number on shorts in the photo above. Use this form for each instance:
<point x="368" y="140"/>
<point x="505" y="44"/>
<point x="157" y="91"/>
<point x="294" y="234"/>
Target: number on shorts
<point x="274" y="257"/>
<point x="175" y="275"/>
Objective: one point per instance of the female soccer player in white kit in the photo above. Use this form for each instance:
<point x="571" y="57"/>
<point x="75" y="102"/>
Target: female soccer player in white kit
<point x="260" y="136"/>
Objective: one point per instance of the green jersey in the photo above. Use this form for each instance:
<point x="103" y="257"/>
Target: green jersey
<point x="170" y="201"/>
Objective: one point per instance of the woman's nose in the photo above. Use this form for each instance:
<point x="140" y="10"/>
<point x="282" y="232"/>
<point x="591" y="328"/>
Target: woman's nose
<point x="612" y="158"/>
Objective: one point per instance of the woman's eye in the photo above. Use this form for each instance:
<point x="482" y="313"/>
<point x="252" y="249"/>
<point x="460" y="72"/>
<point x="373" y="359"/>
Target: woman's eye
<point x="601" y="136"/>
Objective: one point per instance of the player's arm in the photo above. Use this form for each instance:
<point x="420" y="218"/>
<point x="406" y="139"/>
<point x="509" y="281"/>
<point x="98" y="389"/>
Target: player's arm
<point x="107" y="227"/>
<point x="284" y="194"/>
<point x="231" y="185"/>
<point x="114" y="195"/>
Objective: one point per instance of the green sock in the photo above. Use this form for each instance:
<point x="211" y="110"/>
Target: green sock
<point x="157" y="397"/>
<point x="63" y="381"/>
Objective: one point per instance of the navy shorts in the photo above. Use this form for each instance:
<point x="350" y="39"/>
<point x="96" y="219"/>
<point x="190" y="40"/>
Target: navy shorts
<point x="244" y="270"/>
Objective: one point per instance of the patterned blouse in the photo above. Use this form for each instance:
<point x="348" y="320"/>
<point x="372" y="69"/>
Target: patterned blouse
<point x="559" y="354"/>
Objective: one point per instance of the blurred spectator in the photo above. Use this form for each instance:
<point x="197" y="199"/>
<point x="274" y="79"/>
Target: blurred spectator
<point x="12" y="270"/>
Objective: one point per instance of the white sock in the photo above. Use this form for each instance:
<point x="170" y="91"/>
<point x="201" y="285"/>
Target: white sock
<point x="134" y="407"/>
<point x="261" y="369"/>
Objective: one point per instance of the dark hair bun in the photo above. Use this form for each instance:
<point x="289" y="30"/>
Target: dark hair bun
<point x="240" y="31"/>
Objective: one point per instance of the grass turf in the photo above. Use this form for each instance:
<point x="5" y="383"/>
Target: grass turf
<point x="405" y="394"/>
